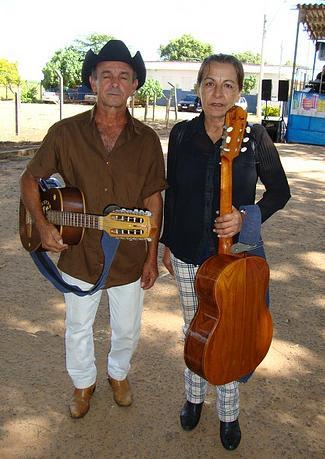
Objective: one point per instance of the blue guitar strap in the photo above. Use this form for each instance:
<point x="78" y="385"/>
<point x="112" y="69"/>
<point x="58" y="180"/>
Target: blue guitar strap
<point x="51" y="272"/>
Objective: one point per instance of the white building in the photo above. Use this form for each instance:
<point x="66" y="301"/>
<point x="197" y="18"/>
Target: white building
<point x="183" y="74"/>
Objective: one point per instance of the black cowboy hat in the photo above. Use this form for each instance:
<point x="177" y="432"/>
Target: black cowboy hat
<point x="114" y="50"/>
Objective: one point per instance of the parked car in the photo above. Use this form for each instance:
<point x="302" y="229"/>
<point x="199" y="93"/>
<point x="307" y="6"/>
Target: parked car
<point x="79" y="95"/>
<point x="50" y="97"/>
<point x="90" y="99"/>
<point x="242" y="102"/>
<point x="190" y="103"/>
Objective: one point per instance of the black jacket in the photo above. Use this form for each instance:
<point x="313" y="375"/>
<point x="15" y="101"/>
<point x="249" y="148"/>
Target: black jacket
<point x="193" y="176"/>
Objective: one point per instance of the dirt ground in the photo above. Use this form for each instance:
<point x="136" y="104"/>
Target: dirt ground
<point x="282" y="406"/>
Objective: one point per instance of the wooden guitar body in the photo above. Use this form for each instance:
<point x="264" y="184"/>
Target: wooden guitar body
<point x="56" y="199"/>
<point x="232" y="329"/>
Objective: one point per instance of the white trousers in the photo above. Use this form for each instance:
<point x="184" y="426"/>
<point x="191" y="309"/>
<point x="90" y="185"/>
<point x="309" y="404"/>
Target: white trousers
<point x="125" y="306"/>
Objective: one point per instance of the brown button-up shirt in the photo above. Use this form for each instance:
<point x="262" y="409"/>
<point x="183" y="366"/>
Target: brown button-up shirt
<point x="131" y="172"/>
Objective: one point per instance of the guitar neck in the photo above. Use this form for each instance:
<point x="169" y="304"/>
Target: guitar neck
<point x="233" y="134"/>
<point x="224" y="244"/>
<point x="75" y="219"/>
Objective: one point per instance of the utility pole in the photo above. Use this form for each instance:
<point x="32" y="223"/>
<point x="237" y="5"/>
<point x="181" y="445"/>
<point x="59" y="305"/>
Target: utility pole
<point x="280" y="61"/>
<point x="259" y="95"/>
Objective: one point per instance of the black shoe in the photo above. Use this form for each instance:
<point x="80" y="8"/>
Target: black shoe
<point x="190" y="415"/>
<point x="230" y="434"/>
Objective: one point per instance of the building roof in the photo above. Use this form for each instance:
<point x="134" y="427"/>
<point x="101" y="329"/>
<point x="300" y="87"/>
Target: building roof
<point x="312" y="15"/>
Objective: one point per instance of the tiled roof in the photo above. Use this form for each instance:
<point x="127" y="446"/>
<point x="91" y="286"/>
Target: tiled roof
<point x="312" y="15"/>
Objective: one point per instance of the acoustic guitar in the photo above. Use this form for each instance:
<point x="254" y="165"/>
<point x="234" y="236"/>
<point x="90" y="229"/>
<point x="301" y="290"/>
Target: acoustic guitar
<point x="65" y="208"/>
<point x="231" y="331"/>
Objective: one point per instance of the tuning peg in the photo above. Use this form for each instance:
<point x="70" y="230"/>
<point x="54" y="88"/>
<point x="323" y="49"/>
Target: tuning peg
<point x="243" y="149"/>
<point x="229" y="129"/>
<point x="245" y="139"/>
<point x="228" y="139"/>
<point x="248" y="129"/>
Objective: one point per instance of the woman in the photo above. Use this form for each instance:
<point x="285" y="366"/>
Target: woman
<point x="192" y="204"/>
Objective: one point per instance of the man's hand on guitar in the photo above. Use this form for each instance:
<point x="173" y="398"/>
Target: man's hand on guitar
<point x="51" y="238"/>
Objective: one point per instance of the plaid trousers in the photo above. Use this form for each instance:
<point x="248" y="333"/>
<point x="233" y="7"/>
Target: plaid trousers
<point x="227" y="395"/>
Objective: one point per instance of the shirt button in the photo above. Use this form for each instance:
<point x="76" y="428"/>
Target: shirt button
<point x="105" y="189"/>
<point x="107" y="163"/>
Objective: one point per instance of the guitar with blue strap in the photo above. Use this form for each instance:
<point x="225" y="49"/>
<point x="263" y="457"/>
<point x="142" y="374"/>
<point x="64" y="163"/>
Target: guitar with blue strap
<point x="65" y="208"/>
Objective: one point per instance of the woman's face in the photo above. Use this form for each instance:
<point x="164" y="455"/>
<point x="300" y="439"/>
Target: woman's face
<point x="219" y="89"/>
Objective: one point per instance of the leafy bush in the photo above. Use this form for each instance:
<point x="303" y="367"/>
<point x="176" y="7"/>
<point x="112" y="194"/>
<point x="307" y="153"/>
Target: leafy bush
<point x="270" y="111"/>
<point x="29" y="92"/>
<point x="151" y="88"/>
<point x="249" y="84"/>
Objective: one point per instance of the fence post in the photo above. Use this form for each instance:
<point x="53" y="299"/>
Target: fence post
<point x="167" y="109"/>
<point x="132" y="105"/>
<point x="17" y="108"/>
<point x="146" y="108"/>
<point x="154" y="107"/>
<point x="61" y="93"/>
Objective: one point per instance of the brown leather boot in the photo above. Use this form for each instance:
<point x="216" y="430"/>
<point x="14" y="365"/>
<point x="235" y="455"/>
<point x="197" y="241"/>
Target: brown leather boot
<point x="79" y="404"/>
<point x="121" y="391"/>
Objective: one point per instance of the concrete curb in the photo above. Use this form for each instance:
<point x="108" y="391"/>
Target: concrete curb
<point x="28" y="151"/>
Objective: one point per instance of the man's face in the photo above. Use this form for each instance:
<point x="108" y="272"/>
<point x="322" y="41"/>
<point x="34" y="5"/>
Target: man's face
<point x="114" y="83"/>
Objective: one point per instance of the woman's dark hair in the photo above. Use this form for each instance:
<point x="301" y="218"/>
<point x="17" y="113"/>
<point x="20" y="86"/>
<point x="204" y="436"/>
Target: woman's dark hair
<point x="223" y="59"/>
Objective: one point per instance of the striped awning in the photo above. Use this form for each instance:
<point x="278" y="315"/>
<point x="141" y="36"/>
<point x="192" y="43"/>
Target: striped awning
<point x="312" y="16"/>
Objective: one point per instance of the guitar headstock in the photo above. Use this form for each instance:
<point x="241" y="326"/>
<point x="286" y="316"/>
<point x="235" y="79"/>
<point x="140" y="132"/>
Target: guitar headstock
<point x="129" y="224"/>
<point x="234" y="131"/>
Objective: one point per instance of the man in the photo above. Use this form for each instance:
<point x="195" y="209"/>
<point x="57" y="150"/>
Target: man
<point x="321" y="75"/>
<point x="321" y="78"/>
<point x="112" y="158"/>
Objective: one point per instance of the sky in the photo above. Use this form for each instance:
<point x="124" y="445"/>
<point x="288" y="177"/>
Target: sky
<point x="31" y="31"/>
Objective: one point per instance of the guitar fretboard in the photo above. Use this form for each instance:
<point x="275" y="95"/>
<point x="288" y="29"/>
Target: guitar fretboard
<point x="75" y="219"/>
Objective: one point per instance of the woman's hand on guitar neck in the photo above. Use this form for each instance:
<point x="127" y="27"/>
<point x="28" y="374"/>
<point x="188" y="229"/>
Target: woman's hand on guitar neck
<point x="51" y="238"/>
<point x="229" y="224"/>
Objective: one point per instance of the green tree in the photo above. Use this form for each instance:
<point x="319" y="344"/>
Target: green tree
<point x="69" y="62"/>
<point x="249" y="84"/>
<point x="247" y="57"/>
<point x="93" y="41"/>
<point x="9" y="74"/>
<point x="149" y="90"/>
<point x="185" y="48"/>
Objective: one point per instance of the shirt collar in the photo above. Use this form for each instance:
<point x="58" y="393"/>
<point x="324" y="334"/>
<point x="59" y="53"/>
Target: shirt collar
<point x="131" y="125"/>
